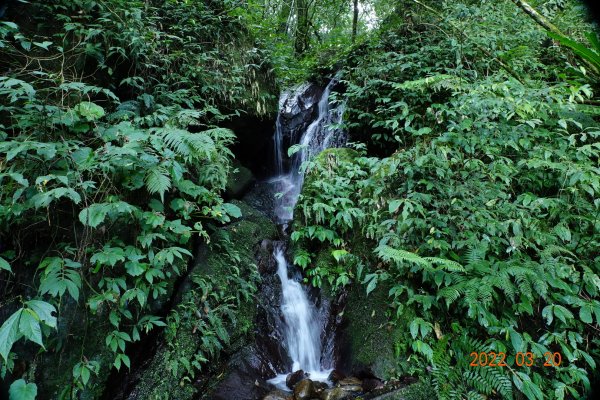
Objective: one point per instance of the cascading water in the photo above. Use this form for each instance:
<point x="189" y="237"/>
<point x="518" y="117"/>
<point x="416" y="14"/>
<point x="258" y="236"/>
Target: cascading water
<point x="303" y="327"/>
<point x="323" y="132"/>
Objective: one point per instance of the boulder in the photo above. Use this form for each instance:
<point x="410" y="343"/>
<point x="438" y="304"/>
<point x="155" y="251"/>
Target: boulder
<point x="277" y="395"/>
<point x="370" y="384"/>
<point x="320" y="387"/>
<point x="304" y="390"/>
<point x="292" y="379"/>
<point x="336" y="393"/>
<point x="336" y="375"/>
<point x="351" y="384"/>
<point x="239" y="181"/>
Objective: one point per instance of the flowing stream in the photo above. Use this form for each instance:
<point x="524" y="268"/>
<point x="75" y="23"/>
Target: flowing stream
<point x="304" y="330"/>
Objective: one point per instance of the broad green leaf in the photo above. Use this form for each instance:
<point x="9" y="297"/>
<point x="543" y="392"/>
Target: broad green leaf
<point x="21" y="390"/>
<point x="89" y="111"/>
<point x="94" y="215"/>
<point x="338" y="254"/>
<point x="9" y="333"/>
<point x="232" y="210"/>
<point x="4" y="265"/>
<point x="29" y="326"/>
<point x="134" y="268"/>
<point x="44" y="45"/>
<point x="44" y="311"/>
<point x="394" y="205"/>
<point x="585" y="313"/>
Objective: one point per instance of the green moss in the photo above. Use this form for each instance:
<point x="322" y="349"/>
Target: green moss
<point x="79" y="335"/>
<point x="232" y="245"/>
<point x="238" y="181"/>
<point x="419" y="391"/>
<point x="372" y="341"/>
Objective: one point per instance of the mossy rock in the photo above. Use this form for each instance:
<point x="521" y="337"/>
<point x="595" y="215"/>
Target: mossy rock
<point x="368" y="341"/>
<point x="165" y="377"/>
<point x="79" y="334"/>
<point x="238" y="181"/>
<point x="418" y="391"/>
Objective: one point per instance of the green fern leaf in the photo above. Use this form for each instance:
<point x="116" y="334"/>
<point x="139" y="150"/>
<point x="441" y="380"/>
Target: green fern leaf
<point x="157" y="181"/>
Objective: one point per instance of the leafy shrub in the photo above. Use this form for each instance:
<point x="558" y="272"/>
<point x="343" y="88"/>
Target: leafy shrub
<point x="482" y="214"/>
<point x="111" y="161"/>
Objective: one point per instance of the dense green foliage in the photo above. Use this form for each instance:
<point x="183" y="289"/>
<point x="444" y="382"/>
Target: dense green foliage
<point x="468" y="196"/>
<point x="111" y="162"/>
<point x="483" y="214"/>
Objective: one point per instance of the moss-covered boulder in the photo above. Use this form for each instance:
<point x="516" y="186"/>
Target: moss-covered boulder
<point x="214" y="317"/>
<point x="80" y="337"/>
<point x="239" y="181"/>
<point x="367" y="339"/>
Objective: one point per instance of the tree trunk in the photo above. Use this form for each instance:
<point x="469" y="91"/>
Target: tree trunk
<point x="355" y="21"/>
<point x="537" y="17"/>
<point x="542" y="21"/>
<point x="284" y="16"/>
<point x="302" y="26"/>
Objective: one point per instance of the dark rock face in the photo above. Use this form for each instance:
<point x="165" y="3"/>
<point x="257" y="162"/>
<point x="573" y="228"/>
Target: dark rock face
<point x="269" y="322"/>
<point x="254" y="146"/>
<point x="295" y="377"/>
<point x="336" y="375"/>
<point x="370" y="384"/>
<point x="297" y="109"/>
<point x="241" y="382"/>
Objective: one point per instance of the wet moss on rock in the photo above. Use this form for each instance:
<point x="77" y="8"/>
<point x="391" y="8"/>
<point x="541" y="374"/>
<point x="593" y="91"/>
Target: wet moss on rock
<point x="369" y="340"/>
<point x="239" y="181"/>
<point x="233" y="246"/>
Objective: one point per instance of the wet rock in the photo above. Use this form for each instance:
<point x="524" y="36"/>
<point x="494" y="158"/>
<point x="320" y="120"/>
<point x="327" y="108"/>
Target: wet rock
<point x="240" y="382"/>
<point x="370" y="384"/>
<point x="299" y="108"/>
<point x="292" y="379"/>
<point x="336" y="375"/>
<point x="304" y="390"/>
<point x="335" y="394"/>
<point x="320" y="387"/>
<point x="261" y="197"/>
<point x="266" y="264"/>
<point x="238" y="181"/>
<point x="277" y="395"/>
<point x="351" y="384"/>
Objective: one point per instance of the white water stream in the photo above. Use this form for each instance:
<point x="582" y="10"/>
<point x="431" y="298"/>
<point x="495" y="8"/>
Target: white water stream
<point x="303" y="327"/>
<point x="322" y="133"/>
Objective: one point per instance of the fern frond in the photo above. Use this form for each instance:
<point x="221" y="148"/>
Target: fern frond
<point x="448" y="265"/>
<point x="390" y="254"/>
<point x="157" y="181"/>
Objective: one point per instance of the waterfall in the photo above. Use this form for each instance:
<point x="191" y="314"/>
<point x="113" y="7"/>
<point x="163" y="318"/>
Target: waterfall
<point x="303" y="327"/>
<point x="302" y="331"/>
<point x="323" y="132"/>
